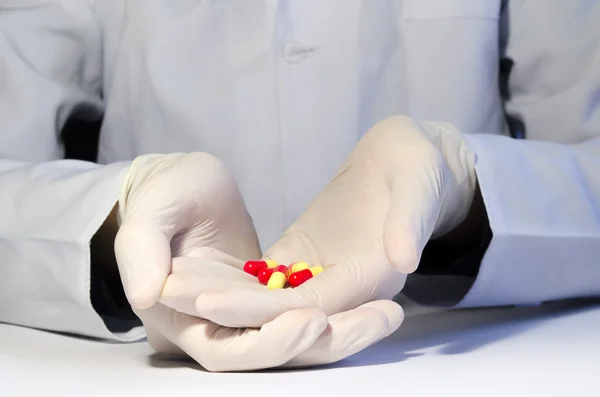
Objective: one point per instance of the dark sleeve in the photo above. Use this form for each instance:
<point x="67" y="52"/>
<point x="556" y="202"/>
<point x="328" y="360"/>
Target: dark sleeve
<point x="460" y="252"/>
<point x="80" y="139"/>
<point x="106" y="288"/>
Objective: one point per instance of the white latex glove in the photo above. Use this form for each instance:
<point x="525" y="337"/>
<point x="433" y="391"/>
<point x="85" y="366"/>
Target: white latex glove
<point x="179" y="215"/>
<point x="298" y="337"/>
<point x="403" y="183"/>
<point x="173" y="204"/>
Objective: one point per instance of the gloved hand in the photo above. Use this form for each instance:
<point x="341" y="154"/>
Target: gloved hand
<point x="170" y="205"/>
<point x="403" y="184"/>
<point x="181" y="216"/>
<point x="297" y="337"/>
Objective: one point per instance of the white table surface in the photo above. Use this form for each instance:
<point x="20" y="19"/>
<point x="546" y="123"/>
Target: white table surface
<point x="551" y="350"/>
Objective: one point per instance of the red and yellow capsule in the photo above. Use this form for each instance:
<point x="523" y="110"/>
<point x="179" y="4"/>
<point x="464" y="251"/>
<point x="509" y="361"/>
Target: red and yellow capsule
<point x="283" y="269"/>
<point x="297" y="266"/>
<point x="316" y="270"/>
<point x="296" y="279"/>
<point x="271" y="264"/>
<point x="264" y="275"/>
<point x="278" y="278"/>
<point x="253" y="267"/>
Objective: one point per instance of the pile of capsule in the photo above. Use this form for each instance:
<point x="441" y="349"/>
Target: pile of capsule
<point x="276" y="276"/>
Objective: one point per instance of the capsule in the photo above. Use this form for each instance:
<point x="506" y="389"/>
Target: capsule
<point x="298" y="278"/>
<point x="277" y="280"/>
<point x="253" y="267"/>
<point x="264" y="275"/>
<point x="296" y="267"/>
<point x="316" y="270"/>
<point x="271" y="264"/>
<point x="283" y="269"/>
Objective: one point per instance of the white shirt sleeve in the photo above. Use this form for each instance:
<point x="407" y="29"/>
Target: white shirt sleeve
<point x="541" y="195"/>
<point x="50" y="208"/>
<point x="542" y="201"/>
<point x="543" y="205"/>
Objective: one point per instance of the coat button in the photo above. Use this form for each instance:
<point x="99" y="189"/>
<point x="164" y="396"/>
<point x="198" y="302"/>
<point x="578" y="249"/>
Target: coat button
<point x="295" y="53"/>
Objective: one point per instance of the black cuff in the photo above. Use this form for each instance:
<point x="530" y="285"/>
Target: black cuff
<point x="447" y="258"/>
<point x="108" y="297"/>
<point x="106" y="289"/>
<point x="460" y="252"/>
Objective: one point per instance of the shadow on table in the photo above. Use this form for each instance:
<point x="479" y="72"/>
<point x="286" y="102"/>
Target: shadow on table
<point x="460" y="331"/>
<point x="158" y="360"/>
<point x="453" y="332"/>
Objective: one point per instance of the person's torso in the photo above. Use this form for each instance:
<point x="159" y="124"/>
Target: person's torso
<point x="281" y="91"/>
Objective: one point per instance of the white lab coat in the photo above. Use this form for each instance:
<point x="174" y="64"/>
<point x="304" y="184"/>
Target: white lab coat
<point x="281" y="91"/>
